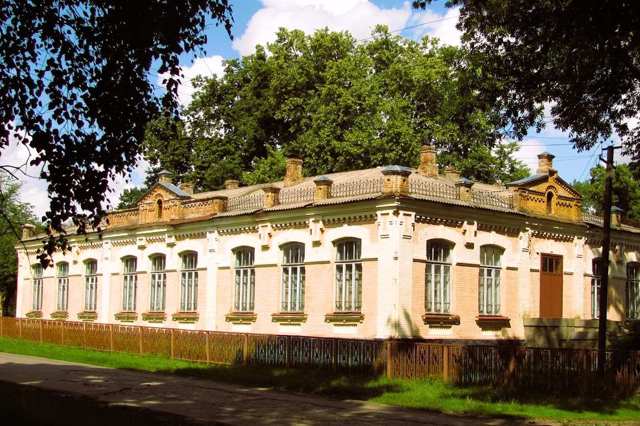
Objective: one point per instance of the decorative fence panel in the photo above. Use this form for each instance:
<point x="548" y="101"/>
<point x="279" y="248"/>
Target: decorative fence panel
<point x="497" y="364"/>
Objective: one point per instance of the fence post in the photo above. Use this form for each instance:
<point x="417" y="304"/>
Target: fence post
<point x="206" y="346"/>
<point x="84" y="335"/>
<point x="140" y="339"/>
<point x="40" y="321"/>
<point x="245" y="349"/>
<point x="172" y="338"/>
<point x="1" y="325"/>
<point x="445" y="363"/>
<point x="389" y="344"/>
<point x="20" y="328"/>
<point x="62" y="333"/>
<point x="111" y="337"/>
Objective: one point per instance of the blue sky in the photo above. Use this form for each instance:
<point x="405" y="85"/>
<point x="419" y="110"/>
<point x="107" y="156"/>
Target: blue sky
<point x="256" y="22"/>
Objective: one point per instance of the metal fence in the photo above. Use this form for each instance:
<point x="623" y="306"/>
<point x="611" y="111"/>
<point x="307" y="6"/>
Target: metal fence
<point x="496" y="364"/>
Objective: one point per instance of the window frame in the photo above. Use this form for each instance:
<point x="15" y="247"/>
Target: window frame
<point x="244" y="279"/>
<point x="62" y="277"/>
<point x="38" y="287"/>
<point x="90" y="285"/>
<point x="189" y="282"/>
<point x="440" y="267"/>
<point x="129" y="283"/>
<point x="348" y="275"/>
<point x="293" y="276"/>
<point x="596" y="282"/>
<point x="489" y="284"/>
<point x="157" y="282"/>
<point x="633" y="291"/>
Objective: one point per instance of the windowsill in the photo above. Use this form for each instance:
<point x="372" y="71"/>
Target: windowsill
<point x="185" y="317"/>
<point x="241" y="317"/>
<point x="60" y="315"/>
<point x="154" y="316"/>
<point x="289" y="317"/>
<point x="126" y="316"/>
<point x="344" y="318"/>
<point x="34" y="314"/>
<point x="88" y="316"/>
<point x="440" y="320"/>
<point x="493" y="322"/>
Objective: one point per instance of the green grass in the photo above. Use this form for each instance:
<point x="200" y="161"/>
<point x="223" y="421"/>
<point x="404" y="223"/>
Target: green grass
<point x="426" y="394"/>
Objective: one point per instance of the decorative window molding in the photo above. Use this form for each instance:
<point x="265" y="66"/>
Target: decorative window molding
<point x="348" y="276"/>
<point x="185" y="317"/>
<point x="34" y="314"/>
<point x="493" y="322"/>
<point x="62" y="273"/>
<point x="344" y="318"/>
<point x="596" y="280"/>
<point x="293" y="278"/>
<point x="289" y="317"/>
<point x="126" y="316"/>
<point x="438" y="276"/>
<point x="90" y="285"/>
<point x="154" y="316"/>
<point x="245" y="278"/>
<point x="440" y="320"/>
<point x="37" y="288"/>
<point x="158" y="287"/>
<point x="633" y="290"/>
<point x="189" y="282"/>
<point x="241" y="317"/>
<point x="489" y="285"/>
<point x="60" y="315"/>
<point x="129" y="284"/>
<point x="88" y="316"/>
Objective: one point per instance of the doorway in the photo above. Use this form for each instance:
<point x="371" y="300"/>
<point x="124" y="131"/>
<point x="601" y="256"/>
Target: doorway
<point x="550" y="286"/>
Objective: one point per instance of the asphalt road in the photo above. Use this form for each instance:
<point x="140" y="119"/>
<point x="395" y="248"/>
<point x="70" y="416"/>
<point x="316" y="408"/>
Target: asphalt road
<point x="184" y="400"/>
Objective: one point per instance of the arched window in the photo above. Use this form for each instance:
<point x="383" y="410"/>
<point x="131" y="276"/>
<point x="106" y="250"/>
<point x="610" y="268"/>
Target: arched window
<point x="62" y="273"/>
<point x="158" y="283"/>
<point x="550" y="202"/>
<point x="596" y="277"/>
<point x="189" y="282"/>
<point x="129" y="283"/>
<point x="159" y="209"/>
<point x="245" y="280"/>
<point x="489" y="286"/>
<point x="438" y="276"/>
<point x="633" y="290"/>
<point x="348" y="276"/>
<point x="37" y="287"/>
<point x="90" y="285"/>
<point x="293" y="274"/>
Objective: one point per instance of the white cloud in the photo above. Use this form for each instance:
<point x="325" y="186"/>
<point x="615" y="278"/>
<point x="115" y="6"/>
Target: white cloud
<point x="356" y="16"/>
<point x="436" y="25"/>
<point x="120" y="183"/>
<point x="205" y="67"/>
<point x="528" y="152"/>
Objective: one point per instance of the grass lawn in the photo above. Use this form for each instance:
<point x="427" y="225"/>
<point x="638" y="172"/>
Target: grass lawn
<point x="425" y="394"/>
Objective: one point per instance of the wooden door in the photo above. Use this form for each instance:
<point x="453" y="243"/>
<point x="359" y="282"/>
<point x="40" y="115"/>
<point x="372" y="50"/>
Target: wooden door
<point x="550" y="286"/>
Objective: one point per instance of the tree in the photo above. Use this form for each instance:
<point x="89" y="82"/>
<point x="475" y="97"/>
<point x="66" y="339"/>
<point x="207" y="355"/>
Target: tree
<point x="341" y="105"/>
<point x="581" y="57"/>
<point x="76" y="89"/>
<point x="13" y="214"/>
<point x="130" y="197"/>
<point x="626" y="191"/>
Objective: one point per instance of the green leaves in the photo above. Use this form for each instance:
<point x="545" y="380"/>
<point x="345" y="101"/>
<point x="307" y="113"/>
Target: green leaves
<point x="340" y="105"/>
<point x="626" y="191"/>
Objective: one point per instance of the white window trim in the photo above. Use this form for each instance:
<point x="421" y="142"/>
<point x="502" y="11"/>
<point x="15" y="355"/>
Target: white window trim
<point x="62" y="301"/>
<point x="293" y="278"/>
<point x="490" y="285"/>
<point x="158" y="285"/>
<point x="348" y="292"/>
<point x="431" y="267"/>
<point x="37" y="288"/>
<point x="244" y="280"/>
<point x="633" y="292"/>
<point x="129" y="285"/>
<point x="189" y="283"/>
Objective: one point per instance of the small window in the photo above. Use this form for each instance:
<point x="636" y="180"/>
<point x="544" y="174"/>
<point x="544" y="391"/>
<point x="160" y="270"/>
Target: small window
<point x="189" y="283"/>
<point x="293" y="275"/>
<point x="62" y="274"/>
<point x="159" y="209"/>
<point x="348" y="276"/>
<point x="633" y="290"/>
<point x="596" y="277"/>
<point x="245" y="280"/>
<point x="129" y="284"/>
<point x="158" y="283"/>
<point x="489" y="286"/>
<point x="438" y="276"/>
<point x="550" y="202"/>
<point x="551" y="264"/>
<point x="90" y="285"/>
<point x="37" y="287"/>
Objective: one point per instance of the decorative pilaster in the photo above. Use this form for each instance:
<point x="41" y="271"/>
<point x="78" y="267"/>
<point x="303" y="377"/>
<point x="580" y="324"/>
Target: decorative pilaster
<point x="209" y="309"/>
<point x="104" y="314"/>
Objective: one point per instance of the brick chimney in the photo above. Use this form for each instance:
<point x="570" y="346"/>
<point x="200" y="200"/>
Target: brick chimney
<point x="271" y="196"/>
<point x="323" y="188"/>
<point x="187" y="187"/>
<point x="451" y="173"/>
<point x="164" y="176"/>
<point x="616" y="216"/>
<point x="219" y="203"/>
<point x="396" y="180"/>
<point x="231" y="184"/>
<point x="293" y="174"/>
<point x="545" y="163"/>
<point x="428" y="161"/>
<point x="28" y="231"/>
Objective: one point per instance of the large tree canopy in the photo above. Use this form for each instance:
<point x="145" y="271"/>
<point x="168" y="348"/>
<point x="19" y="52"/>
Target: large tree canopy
<point x="77" y="89"/>
<point x="341" y="105"/>
<point x="582" y="57"/>
<point x="13" y="213"/>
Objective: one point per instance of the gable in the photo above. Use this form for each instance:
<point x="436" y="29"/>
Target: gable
<point x="162" y="191"/>
<point x="556" y="184"/>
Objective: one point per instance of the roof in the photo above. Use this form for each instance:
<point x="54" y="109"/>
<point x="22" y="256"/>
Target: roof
<point x="171" y="187"/>
<point x="528" y="180"/>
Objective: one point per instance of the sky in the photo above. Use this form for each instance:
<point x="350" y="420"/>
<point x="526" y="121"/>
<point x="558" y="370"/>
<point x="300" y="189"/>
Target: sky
<point x="256" y="22"/>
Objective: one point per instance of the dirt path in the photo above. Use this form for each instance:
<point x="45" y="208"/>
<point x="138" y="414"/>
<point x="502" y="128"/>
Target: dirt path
<point x="208" y="402"/>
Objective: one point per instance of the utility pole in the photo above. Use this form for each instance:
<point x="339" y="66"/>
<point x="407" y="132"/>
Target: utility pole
<point x="604" y="281"/>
